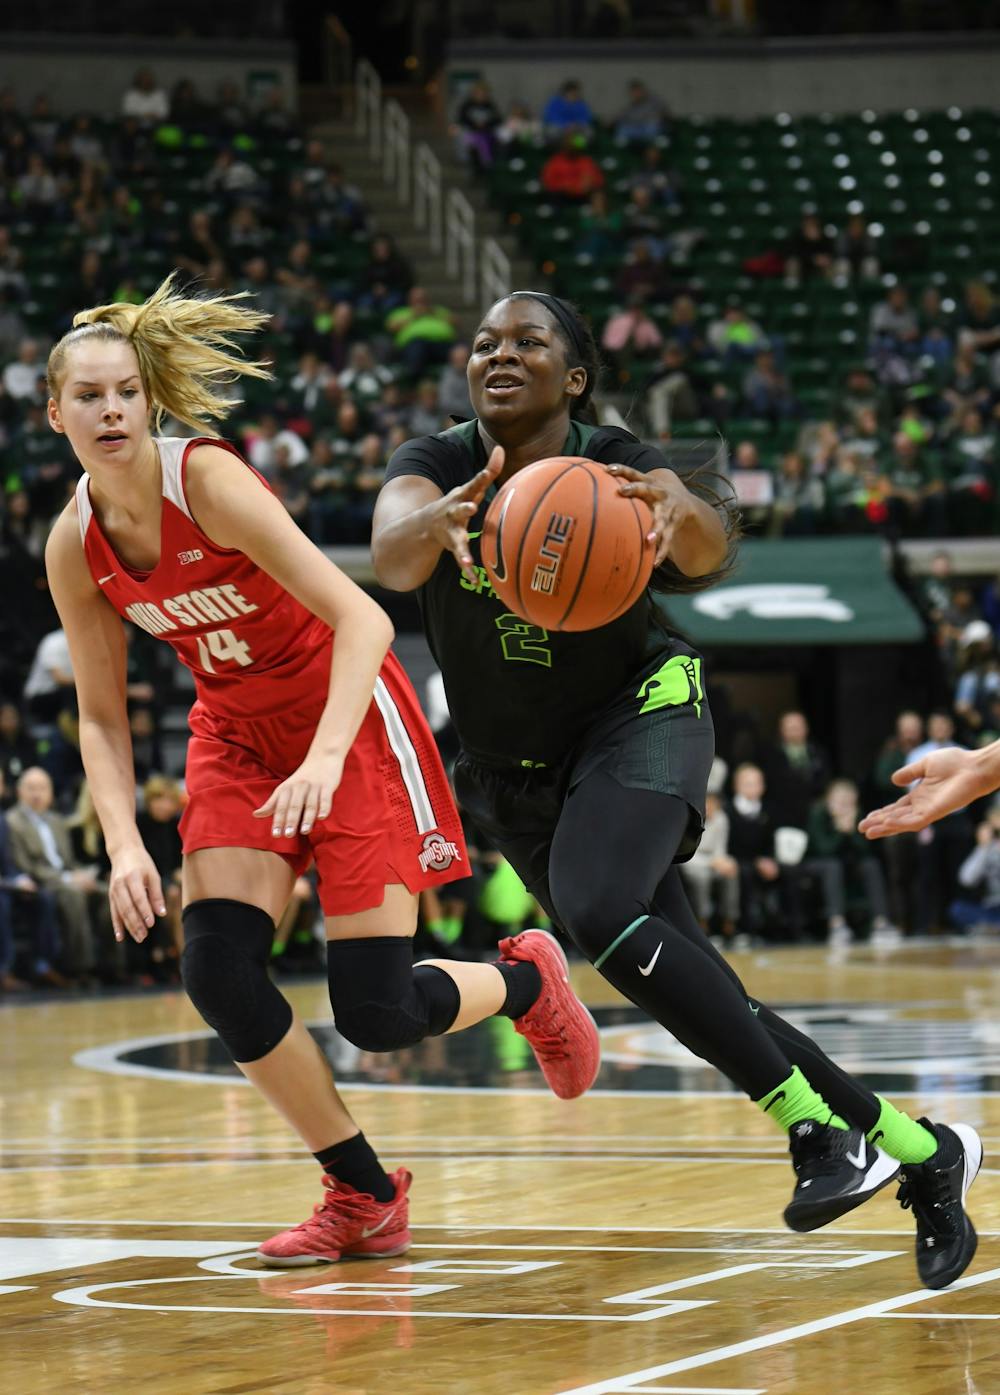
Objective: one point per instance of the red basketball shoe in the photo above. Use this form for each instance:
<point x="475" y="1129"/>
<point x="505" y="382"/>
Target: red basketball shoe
<point x="557" y="1027"/>
<point x="345" y="1224"/>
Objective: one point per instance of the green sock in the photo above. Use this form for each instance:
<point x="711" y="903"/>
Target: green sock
<point x="277" y="950"/>
<point x="900" y="1136"/>
<point x="794" y="1100"/>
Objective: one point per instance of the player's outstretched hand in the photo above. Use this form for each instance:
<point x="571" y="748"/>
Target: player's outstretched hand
<point x="449" y="517"/>
<point x="949" y="780"/>
<point x="135" y="892"/>
<point x="671" y="507"/>
<point x="305" y="797"/>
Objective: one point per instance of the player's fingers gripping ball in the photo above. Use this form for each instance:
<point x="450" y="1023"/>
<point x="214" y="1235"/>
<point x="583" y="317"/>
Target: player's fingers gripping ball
<point x="563" y="548"/>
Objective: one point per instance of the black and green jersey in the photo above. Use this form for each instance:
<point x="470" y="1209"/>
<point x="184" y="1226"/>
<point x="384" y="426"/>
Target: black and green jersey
<point x="518" y="692"/>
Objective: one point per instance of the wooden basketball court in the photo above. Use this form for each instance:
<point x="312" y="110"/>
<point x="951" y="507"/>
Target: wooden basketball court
<point x="630" y="1242"/>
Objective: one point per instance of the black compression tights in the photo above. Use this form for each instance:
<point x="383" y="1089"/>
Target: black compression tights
<point x="614" y="887"/>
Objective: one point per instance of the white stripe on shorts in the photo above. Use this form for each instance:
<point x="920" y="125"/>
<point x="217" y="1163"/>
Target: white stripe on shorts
<point x="409" y="762"/>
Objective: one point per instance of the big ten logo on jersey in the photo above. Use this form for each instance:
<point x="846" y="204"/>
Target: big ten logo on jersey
<point x="186" y="558"/>
<point x="193" y="609"/>
<point x="438" y="853"/>
<point x="558" y="533"/>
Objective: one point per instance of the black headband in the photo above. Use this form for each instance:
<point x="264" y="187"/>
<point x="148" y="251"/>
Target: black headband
<point x="562" y="313"/>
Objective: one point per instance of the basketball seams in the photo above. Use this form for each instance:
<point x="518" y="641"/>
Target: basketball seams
<point x="632" y="592"/>
<point x="582" y="572"/>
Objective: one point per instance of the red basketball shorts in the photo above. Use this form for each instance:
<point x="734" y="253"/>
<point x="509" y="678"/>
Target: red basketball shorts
<point x="393" y="818"/>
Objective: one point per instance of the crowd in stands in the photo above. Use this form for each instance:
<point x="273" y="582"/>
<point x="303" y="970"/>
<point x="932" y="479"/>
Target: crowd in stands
<point x="236" y="197"/>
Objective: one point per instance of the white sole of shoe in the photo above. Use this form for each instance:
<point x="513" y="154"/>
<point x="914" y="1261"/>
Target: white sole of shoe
<point x="973" y="1146"/>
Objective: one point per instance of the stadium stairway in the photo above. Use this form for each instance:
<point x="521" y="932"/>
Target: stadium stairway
<point x="388" y="215"/>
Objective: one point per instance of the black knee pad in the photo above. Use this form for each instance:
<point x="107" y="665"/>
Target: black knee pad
<point x="381" y="1000"/>
<point x="227" y="945"/>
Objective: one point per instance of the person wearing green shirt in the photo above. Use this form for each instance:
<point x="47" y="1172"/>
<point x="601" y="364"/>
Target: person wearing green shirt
<point x="421" y="332"/>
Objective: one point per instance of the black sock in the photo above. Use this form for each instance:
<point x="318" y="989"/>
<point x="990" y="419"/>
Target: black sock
<point x="355" y="1163"/>
<point x="524" y="983"/>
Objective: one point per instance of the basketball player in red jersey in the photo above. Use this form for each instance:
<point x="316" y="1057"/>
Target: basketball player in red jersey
<point x="307" y="744"/>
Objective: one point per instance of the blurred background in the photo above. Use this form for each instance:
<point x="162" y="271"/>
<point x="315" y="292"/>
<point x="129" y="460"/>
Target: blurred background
<point x="783" y="222"/>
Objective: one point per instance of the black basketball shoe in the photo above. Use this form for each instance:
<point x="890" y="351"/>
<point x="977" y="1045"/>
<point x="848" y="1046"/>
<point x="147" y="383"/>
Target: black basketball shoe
<point x="936" y="1190"/>
<point x="836" y="1170"/>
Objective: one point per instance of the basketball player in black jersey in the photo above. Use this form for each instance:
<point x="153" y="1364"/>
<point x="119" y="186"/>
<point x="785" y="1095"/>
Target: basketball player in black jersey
<point x="585" y="759"/>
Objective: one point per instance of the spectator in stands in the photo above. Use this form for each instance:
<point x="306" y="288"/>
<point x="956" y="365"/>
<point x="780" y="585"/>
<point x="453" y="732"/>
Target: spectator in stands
<point x="40" y="847"/>
<point x="943" y="847"/>
<point x="49" y="689"/>
<point x="751" y="844"/>
<point x="425" y="414"/>
<point x="866" y="439"/>
<point x="856" y="250"/>
<point x="519" y="127"/>
<point x="262" y="445"/>
<point x="20" y="529"/>
<point x="339" y="207"/>
<point x="363" y="378"/>
<point x="979" y="679"/>
<point x="643" y="117"/>
<point x="421" y="332"/>
<point x="810" y="251"/>
<point x="979" y="320"/>
<point x="453" y="385"/>
<point x="477" y="121"/>
<point x="600" y="228"/>
<point x="796" y="769"/>
<point x="273" y="118"/>
<point x="328" y="500"/>
<point x="659" y="183"/>
<point x="144" y="99"/>
<point x="37" y="907"/>
<point x="158" y="824"/>
<point x="935" y="589"/>
<point x="199" y="246"/>
<point x="901" y="853"/>
<point x="766" y="390"/>
<point x="232" y="177"/>
<point x="643" y="274"/>
<point x="686" y="328"/>
<point x="735" y="337"/>
<point x="847" y="498"/>
<point x="752" y="484"/>
<point x="712" y="875"/>
<point x="37" y="190"/>
<point x="631" y="333"/>
<point x="230" y="107"/>
<point x="570" y="175"/>
<point x="387" y="278"/>
<point x="12" y="277"/>
<point x="20" y="378"/>
<point x="671" y="394"/>
<point x="843" y="860"/>
<point x="967" y="386"/>
<point x="18" y="749"/>
<point x="858" y="394"/>
<point x="186" y="107"/>
<point x="979" y="878"/>
<point x="893" y="322"/>
<point x="567" y="111"/>
<point x="798" y="498"/>
<point x="915" y="489"/>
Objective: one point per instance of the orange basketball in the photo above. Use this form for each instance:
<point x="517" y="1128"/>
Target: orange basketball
<point x="563" y="548"/>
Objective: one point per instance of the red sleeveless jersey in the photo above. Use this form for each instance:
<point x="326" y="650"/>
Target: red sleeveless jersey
<point x="254" y="650"/>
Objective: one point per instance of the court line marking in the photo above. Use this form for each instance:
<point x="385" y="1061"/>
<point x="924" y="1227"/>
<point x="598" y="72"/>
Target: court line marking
<point x="628" y="1381"/>
<point x="946" y="1317"/>
<point x="106" y="1059"/>
<point x="486" y="1226"/>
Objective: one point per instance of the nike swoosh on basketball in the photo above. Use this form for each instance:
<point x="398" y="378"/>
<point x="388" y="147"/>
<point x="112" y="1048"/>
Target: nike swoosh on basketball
<point x="500" y="565"/>
<point x="649" y="967"/>
<point x="102" y="579"/>
<point x="368" y="1231"/>
<point x="861" y="1159"/>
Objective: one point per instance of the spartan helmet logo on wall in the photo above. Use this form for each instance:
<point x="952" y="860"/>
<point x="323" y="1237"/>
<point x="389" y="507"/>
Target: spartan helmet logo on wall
<point x="438" y="853"/>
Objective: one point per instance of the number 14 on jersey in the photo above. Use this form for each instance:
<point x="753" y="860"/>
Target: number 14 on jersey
<point x="222" y="647"/>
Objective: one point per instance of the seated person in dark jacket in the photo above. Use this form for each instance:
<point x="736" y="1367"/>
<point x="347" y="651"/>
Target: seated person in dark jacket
<point x="842" y="860"/>
<point x="37" y="909"/>
<point x="751" y="843"/>
<point x="797" y="772"/>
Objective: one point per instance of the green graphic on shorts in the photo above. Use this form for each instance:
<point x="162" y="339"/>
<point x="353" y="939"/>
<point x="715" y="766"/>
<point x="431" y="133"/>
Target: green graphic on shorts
<point x="676" y="684"/>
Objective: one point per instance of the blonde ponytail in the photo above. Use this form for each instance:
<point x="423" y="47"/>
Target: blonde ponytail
<point x="185" y="346"/>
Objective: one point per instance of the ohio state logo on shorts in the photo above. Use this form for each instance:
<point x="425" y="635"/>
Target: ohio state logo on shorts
<point x="438" y="853"/>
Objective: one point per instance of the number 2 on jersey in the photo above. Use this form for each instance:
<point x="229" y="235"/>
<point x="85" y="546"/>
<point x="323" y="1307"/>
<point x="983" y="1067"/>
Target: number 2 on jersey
<point x="524" y="641"/>
<point x="224" y="647"/>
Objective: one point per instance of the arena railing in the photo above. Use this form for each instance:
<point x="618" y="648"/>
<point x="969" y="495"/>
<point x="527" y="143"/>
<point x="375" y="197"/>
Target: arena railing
<point x="478" y="263"/>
